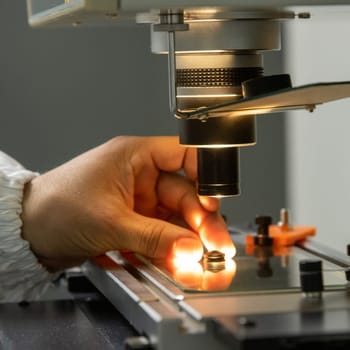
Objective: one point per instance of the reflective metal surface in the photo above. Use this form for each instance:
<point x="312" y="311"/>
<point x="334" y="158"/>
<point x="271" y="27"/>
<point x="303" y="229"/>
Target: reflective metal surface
<point x="301" y="97"/>
<point x="260" y="269"/>
<point x="232" y="304"/>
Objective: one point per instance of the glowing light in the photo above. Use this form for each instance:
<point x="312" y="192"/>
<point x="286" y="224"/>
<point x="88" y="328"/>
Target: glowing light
<point x="209" y="203"/>
<point x="187" y="251"/>
<point x="229" y="252"/>
<point x="185" y="261"/>
<point x="197" y="219"/>
<point x="222" y="145"/>
<point x="215" y="236"/>
<point x="195" y="52"/>
<point x="224" y="195"/>
<point x="231" y="265"/>
<point x="208" y="96"/>
<point x="219" y="280"/>
<point x="190" y="275"/>
<point x="248" y="111"/>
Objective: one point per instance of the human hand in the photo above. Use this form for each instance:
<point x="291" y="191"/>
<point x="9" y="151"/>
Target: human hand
<point x="122" y="195"/>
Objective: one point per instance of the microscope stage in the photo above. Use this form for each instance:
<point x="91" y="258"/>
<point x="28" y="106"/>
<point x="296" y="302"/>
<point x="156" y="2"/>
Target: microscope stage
<point x="230" y="304"/>
<point x="261" y="272"/>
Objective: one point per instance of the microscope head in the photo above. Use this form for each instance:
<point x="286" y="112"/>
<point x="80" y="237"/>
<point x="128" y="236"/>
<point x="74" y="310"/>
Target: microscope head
<point x="217" y="85"/>
<point x="210" y="56"/>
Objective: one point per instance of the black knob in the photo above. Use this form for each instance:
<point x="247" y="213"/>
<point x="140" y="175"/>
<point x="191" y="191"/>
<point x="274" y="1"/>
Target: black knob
<point x="264" y="85"/>
<point x="311" y="279"/>
<point x="262" y="238"/>
<point x="263" y="223"/>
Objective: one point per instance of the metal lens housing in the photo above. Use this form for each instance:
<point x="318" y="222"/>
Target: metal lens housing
<point x="210" y="62"/>
<point x="218" y="171"/>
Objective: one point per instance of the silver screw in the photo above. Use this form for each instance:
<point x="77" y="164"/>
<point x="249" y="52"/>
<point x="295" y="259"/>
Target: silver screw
<point x="284" y="222"/>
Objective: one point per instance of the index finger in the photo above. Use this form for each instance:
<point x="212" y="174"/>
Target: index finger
<point x="183" y="199"/>
<point x="169" y="155"/>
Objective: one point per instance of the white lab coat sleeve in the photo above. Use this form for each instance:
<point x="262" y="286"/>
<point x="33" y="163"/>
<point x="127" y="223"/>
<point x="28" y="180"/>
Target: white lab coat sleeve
<point x="22" y="277"/>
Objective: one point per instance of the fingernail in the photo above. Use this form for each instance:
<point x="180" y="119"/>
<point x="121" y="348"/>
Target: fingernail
<point x="188" y="248"/>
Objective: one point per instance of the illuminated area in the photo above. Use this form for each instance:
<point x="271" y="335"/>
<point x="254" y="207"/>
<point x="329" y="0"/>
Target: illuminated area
<point x="205" y="96"/>
<point x="214" y="237"/>
<point x="219" y="280"/>
<point x="212" y="231"/>
<point x="196" y="277"/>
<point x="185" y="253"/>
<point x="222" y="146"/>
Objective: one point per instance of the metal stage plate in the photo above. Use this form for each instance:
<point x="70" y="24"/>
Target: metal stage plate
<point x="258" y="271"/>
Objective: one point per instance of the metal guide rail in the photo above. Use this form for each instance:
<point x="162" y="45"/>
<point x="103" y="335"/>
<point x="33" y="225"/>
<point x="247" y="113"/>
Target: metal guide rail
<point x="263" y="296"/>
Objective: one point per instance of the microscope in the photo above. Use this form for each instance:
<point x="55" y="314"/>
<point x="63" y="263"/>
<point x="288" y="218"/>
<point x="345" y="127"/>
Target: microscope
<point x="217" y="85"/>
<point x="283" y="290"/>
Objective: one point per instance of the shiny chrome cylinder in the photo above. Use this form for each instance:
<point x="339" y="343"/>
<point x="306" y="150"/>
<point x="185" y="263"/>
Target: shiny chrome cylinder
<point x="222" y="36"/>
<point x="209" y="62"/>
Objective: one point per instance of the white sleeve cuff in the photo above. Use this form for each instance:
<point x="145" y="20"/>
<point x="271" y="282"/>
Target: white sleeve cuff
<point x="22" y="277"/>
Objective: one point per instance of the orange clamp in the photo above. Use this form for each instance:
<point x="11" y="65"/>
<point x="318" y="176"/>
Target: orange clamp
<point x="286" y="236"/>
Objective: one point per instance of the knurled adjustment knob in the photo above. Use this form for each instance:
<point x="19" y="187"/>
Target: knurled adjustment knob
<point x="262" y="238"/>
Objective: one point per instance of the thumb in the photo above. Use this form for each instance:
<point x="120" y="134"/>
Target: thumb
<point x="158" y="239"/>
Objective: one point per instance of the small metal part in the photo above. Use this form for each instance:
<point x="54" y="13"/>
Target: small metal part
<point x="171" y="22"/>
<point x="262" y="238"/>
<point x="284" y="222"/>
<point x="214" y="256"/>
<point x="214" y="261"/>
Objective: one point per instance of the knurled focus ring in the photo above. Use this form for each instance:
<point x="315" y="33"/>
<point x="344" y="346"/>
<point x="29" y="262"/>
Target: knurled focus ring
<point x="216" y="77"/>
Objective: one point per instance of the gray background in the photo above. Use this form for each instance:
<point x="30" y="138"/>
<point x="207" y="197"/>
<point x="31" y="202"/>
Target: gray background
<point x="63" y="91"/>
<point x="318" y="144"/>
